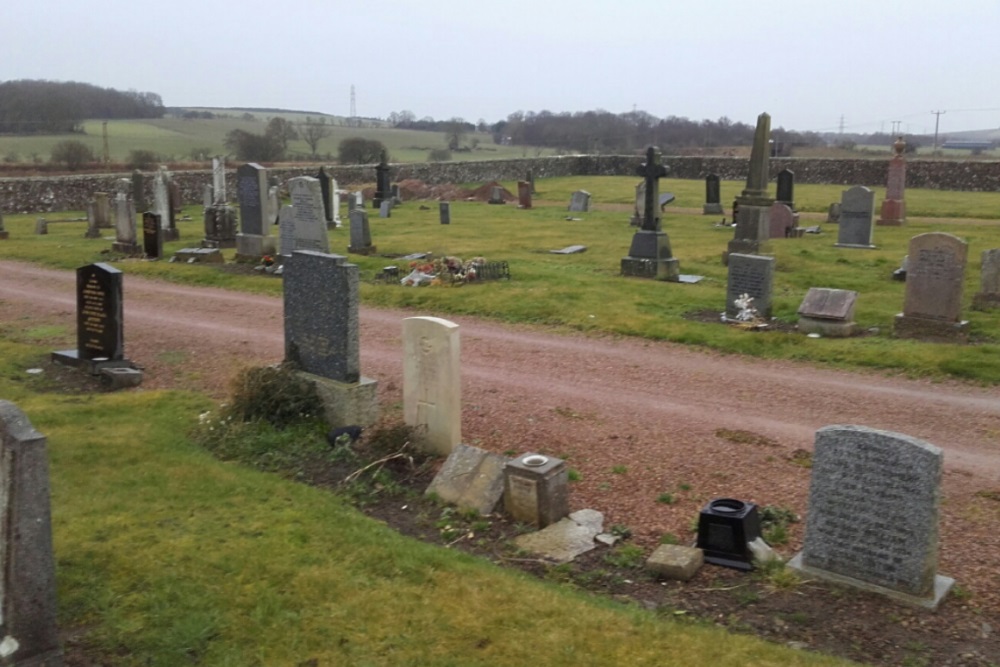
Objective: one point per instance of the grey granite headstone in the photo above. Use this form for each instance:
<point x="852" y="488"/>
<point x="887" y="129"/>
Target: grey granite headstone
<point x="102" y="210"/>
<point x="251" y="193"/>
<point x="307" y="209"/>
<point x="873" y="513"/>
<point x="857" y="205"/>
<point x="286" y="230"/>
<point x="579" y="202"/>
<point x="161" y="197"/>
<point x="93" y="231"/>
<point x="444" y="212"/>
<point x="218" y="180"/>
<point x="753" y="275"/>
<point x="471" y="478"/>
<point x="361" y="236"/>
<point x="713" y="205"/>
<point x="935" y="278"/>
<point x="321" y="314"/>
<point x="385" y="208"/>
<point x="27" y="563"/>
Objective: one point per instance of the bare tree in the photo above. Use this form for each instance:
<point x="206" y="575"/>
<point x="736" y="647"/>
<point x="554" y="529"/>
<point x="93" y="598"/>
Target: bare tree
<point x="313" y="132"/>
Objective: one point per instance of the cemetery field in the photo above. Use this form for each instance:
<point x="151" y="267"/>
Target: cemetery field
<point x="167" y="556"/>
<point x="175" y="139"/>
<point x="584" y="292"/>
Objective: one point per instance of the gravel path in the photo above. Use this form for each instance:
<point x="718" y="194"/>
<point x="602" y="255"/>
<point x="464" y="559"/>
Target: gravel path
<point x="635" y="418"/>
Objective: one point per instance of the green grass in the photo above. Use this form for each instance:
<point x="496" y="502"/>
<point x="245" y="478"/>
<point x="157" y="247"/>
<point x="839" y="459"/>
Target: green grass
<point x="585" y="293"/>
<point x="175" y="139"/>
<point x="167" y="556"/>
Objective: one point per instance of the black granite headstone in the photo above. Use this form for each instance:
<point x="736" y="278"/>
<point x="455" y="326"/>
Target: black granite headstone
<point x="99" y="312"/>
<point x="251" y="198"/>
<point x="138" y="191"/>
<point x="444" y="211"/>
<point x="324" y="188"/>
<point x="712" y="192"/>
<point x="152" y="235"/>
<point x="786" y="187"/>
<point x="382" y="181"/>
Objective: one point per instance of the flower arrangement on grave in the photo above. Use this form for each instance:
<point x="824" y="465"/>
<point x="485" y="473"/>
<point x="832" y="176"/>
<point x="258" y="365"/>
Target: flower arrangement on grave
<point x="747" y="317"/>
<point x="267" y="260"/>
<point x="447" y="270"/>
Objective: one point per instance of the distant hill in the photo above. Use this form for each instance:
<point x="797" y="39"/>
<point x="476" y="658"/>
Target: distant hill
<point x="46" y="107"/>
<point x="975" y="135"/>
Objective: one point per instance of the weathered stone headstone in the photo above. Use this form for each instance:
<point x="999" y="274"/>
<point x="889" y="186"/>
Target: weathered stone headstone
<point x="207" y="195"/>
<point x="536" y="489"/>
<point x="496" y="195"/>
<point x="530" y="177"/>
<point x="444" y="212"/>
<point x="152" y="235"/>
<point x="383" y="179"/>
<point x="524" y="194"/>
<point x="307" y="209"/>
<point x="361" y="235"/>
<point x="649" y="255"/>
<point x="781" y="220"/>
<point x="27" y="562"/>
<point x="395" y="196"/>
<point x="828" y="312"/>
<point x="638" y="210"/>
<point x="321" y="333"/>
<point x="219" y="180"/>
<point x="579" y="202"/>
<point x="873" y="514"/>
<point x="785" y="188"/>
<point x="102" y="209"/>
<point x="988" y="296"/>
<point x="220" y="227"/>
<point x="894" y="205"/>
<point x="254" y="240"/>
<point x="125" y="233"/>
<point x="273" y="206"/>
<point x="93" y="232"/>
<point x="41" y="226"/>
<point x="286" y="230"/>
<point x="432" y="383"/>
<point x="753" y="275"/>
<point x="470" y="478"/>
<point x="856" y="208"/>
<point x="713" y="196"/>
<point x="335" y="202"/>
<point x="138" y="190"/>
<point x="385" y="209"/>
<point x="934" y="280"/>
<point x="753" y="205"/>
<point x="163" y="204"/>
<point x="833" y="213"/>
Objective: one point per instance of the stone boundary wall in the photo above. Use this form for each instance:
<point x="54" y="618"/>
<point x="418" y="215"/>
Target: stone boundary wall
<point x="61" y="193"/>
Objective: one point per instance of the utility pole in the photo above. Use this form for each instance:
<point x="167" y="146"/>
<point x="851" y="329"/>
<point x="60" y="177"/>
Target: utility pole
<point x="354" y="109"/>
<point x="895" y="127"/>
<point x="937" y="122"/>
<point x="841" y="123"/>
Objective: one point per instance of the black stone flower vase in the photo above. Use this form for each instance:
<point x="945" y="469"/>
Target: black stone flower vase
<point x="725" y="526"/>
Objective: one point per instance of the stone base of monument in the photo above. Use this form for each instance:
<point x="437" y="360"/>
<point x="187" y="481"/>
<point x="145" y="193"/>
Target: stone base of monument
<point x="986" y="300"/>
<point x="121" y="378"/>
<point x="942" y="585"/>
<point x="657" y="269"/>
<point x="855" y="245"/>
<point x="712" y="209"/>
<point x="90" y="366"/>
<point x="827" y="327"/>
<point x="893" y="213"/>
<point x="196" y="255"/>
<point x="171" y="234"/>
<point x="362" y="250"/>
<point x="215" y="243"/>
<point x="907" y="326"/>
<point x="251" y="247"/>
<point x="94" y="233"/>
<point x="346" y="403"/>
<point x="674" y="561"/>
<point x="126" y="248"/>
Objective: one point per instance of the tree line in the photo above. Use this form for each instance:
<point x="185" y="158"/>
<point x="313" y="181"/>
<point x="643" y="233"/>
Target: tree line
<point x="56" y="107"/>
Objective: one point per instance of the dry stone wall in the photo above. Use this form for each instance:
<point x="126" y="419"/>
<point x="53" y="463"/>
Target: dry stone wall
<point x="62" y="193"/>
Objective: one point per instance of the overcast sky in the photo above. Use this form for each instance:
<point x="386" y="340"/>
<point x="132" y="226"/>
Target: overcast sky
<point x="808" y="63"/>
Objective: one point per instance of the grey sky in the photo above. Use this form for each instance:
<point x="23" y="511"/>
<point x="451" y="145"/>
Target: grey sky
<point x="805" y="62"/>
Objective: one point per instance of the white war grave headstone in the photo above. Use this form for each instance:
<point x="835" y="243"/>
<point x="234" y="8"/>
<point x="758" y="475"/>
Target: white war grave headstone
<point x="432" y="400"/>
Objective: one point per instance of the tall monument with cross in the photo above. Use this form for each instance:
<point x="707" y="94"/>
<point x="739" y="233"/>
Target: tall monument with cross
<point x="752" y="218"/>
<point x="649" y="255"/>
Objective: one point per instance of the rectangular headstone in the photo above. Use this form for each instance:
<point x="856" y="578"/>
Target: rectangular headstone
<point x="385" y="208"/>
<point x="218" y="180"/>
<point x="579" y="201"/>
<point x="432" y="381"/>
<point x="524" y="194"/>
<point x="152" y="236"/>
<point x="27" y="562"/>
<point x="138" y="190"/>
<point x="286" y="230"/>
<point x="857" y="205"/>
<point x="321" y="314"/>
<point x="785" y="190"/>
<point x="361" y="235"/>
<point x="99" y="312"/>
<point x="873" y="511"/>
<point x="935" y="277"/>
<point x="780" y="220"/>
<point x="102" y="203"/>
<point x="125" y="232"/>
<point x="326" y="190"/>
<point x="161" y="197"/>
<point x="251" y="193"/>
<point x="444" y="212"/>
<point x="988" y="296"/>
<point x="307" y="209"/>
<point x="753" y="275"/>
<point x="93" y="231"/>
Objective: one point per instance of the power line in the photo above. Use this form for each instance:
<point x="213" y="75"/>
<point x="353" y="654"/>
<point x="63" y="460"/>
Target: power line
<point x="937" y="122"/>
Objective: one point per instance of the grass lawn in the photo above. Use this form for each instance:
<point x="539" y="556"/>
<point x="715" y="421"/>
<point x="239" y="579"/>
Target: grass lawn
<point x="167" y="556"/>
<point x="584" y="292"/>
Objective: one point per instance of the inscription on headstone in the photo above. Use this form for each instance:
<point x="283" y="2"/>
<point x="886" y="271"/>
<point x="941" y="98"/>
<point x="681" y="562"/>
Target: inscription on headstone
<point x="251" y="192"/>
<point x="753" y="275"/>
<point x="432" y="381"/>
<point x="99" y="312"/>
<point x="152" y="236"/>
<point x="935" y="277"/>
<point x="307" y="209"/>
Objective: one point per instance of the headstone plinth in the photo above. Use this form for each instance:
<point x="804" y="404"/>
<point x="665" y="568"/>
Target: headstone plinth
<point x="251" y="247"/>
<point x="935" y="278"/>
<point x="893" y="213"/>
<point x="650" y="257"/>
<point x="536" y="489"/>
<point x="346" y="403"/>
<point x="874" y="501"/>
<point x="726" y="527"/>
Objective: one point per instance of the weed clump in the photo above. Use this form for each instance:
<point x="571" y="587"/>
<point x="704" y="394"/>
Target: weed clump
<point x="274" y="394"/>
